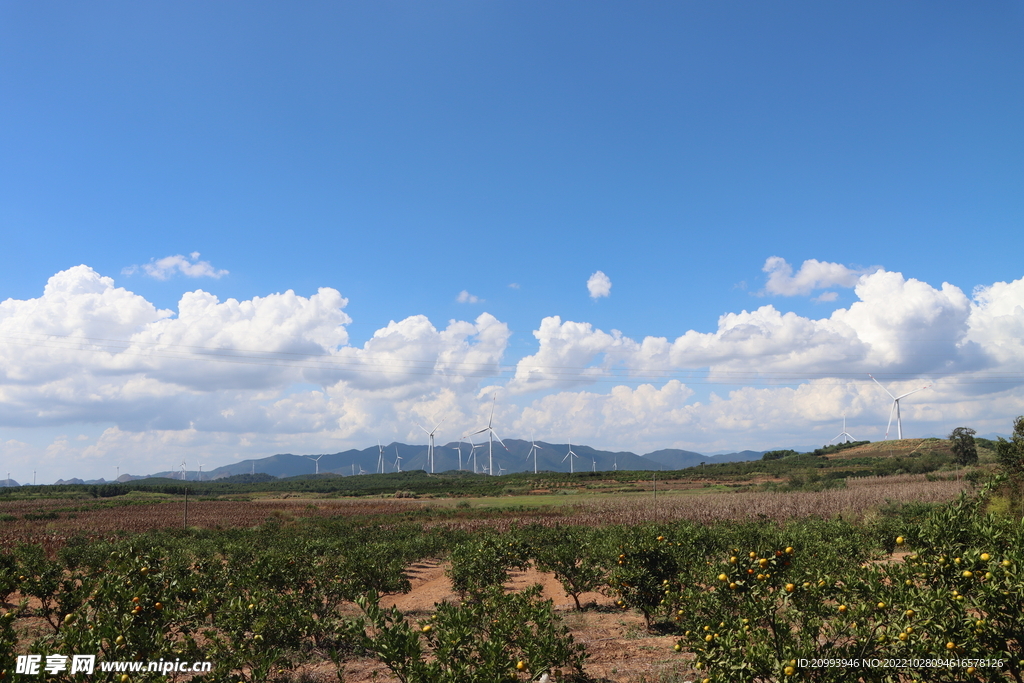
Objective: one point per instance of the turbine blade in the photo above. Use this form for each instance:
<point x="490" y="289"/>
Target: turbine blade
<point x="883" y="388"/>
<point x="912" y="392"/>
<point x="891" y="411"/>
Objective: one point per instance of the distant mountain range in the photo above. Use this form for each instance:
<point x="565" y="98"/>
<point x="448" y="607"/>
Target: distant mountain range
<point x="550" y="457"/>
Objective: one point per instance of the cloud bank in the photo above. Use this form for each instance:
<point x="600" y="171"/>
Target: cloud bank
<point x="223" y="380"/>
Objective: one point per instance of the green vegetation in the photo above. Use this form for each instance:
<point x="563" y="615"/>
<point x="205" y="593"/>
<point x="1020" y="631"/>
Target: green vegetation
<point x="750" y="600"/>
<point x="965" y="452"/>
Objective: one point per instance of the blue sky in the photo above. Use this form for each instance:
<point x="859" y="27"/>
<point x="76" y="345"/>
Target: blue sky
<point x="402" y="153"/>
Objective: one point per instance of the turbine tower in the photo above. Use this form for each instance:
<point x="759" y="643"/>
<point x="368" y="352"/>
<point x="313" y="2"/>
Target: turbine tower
<point x="491" y="436"/>
<point x="473" y="451"/>
<point x="844" y="433"/>
<point x="896" y="407"/>
<point x="430" y="447"/>
<point x="380" y="456"/>
<point x="316" y="460"/>
<point x="459" y="449"/>
<point x="533" y="451"/>
<point x="570" y="455"/>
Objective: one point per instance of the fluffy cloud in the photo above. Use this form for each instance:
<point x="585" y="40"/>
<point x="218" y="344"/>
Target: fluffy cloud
<point x="599" y="285"/>
<point x="87" y="350"/>
<point x="465" y="297"/>
<point x="813" y="274"/>
<point x="168" y="266"/>
<point x="217" y="381"/>
<point x="898" y="325"/>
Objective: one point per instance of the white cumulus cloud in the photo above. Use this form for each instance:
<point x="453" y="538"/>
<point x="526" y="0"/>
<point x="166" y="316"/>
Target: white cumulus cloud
<point x="221" y="380"/>
<point x="599" y="285"/>
<point x="168" y="266"/>
<point x="813" y="274"/>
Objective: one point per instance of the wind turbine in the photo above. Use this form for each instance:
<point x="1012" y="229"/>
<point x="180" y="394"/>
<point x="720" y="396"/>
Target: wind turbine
<point x="398" y="460"/>
<point x="844" y="433"/>
<point x="896" y="408"/>
<point x="615" y="464"/>
<point x="316" y="460"/>
<point x="380" y="456"/>
<point x="501" y="470"/>
<point x="594" y="461"/>
<point x="200" y="471"/>
<point x="430" y="447"/>
<point x="570" y="455"/>
<point x="183" y="470"/>
<point x="533" y="451"/>
<point x="475" y="446"/>
<point x="459" y="449"/>
<point x="491" y="435"/>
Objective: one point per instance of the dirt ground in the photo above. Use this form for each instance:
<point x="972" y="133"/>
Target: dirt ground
<point x="620" y="647"/>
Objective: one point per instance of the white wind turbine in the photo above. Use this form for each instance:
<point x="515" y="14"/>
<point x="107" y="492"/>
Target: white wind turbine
<point x="594" y="461"/>
<point x="398" y="460"/>
<point x="570" y="455"/>
<point x="380" y="456"/>
<point x="200" y="471"/>
<point x="501" y="470"/>
<point x="458" y="447"/>
<point x="533" y="451"/>
<point x="473" y="450"/>
<point x="183" y="470"/>
<point x="430" y="447"/>
<point x="316" y="460"/>
<point x="896" y="408"/>
<point x="491" y="435"/>
<point x="844" y="433"/>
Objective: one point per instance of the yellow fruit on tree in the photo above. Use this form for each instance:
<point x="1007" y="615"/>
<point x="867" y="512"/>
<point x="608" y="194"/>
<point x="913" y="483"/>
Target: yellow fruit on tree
<point x="789" y="671"/>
